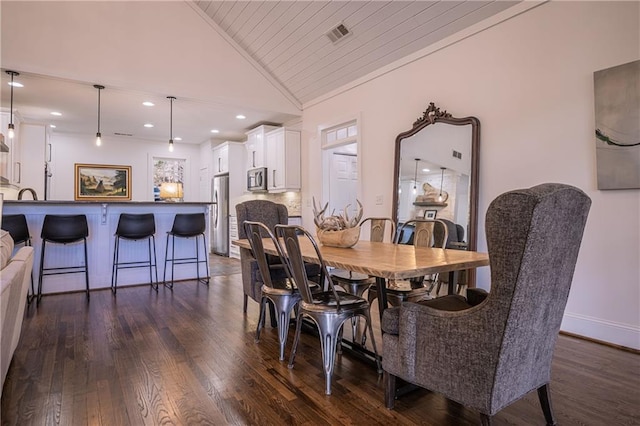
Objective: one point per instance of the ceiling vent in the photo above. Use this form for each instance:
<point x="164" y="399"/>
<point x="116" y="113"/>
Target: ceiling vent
<point x="338" y="33"/>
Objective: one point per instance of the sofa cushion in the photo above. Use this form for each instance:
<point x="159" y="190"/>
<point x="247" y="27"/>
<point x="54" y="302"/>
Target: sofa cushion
<point x="6" y="248"/>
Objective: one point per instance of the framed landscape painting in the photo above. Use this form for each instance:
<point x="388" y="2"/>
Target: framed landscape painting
<point x="99" y="182"/>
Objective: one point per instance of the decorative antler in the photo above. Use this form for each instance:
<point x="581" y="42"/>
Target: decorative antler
<point x="336" y="222"/>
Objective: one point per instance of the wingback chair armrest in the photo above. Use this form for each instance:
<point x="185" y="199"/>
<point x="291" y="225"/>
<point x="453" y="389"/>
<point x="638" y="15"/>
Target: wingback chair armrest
<point x="428" y="337"/>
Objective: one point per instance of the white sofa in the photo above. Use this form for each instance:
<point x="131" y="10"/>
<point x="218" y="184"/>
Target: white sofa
<point x="15" y="278"/>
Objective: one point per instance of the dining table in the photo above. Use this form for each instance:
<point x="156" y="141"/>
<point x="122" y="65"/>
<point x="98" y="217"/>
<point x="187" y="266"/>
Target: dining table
<point x="387" y="261"/>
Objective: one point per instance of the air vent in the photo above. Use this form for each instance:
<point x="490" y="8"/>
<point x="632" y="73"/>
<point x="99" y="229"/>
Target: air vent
<point x="338" y="33"/>
<point x="457" y="154"/>
<point x="122" y="134"/>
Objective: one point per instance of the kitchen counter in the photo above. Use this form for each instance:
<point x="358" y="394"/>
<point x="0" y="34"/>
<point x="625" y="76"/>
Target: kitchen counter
<point x="102" y="218"/>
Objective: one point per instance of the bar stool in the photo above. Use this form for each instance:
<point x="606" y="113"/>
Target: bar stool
<point x="64" y="229"/>
<point x="135" y="227"/>
<point x="186" y="225"/>
<point x="16" y="226"/>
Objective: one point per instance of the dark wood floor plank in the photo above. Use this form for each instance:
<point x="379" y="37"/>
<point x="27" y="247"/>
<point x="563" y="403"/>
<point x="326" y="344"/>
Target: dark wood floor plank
<point x="188" y="356"/>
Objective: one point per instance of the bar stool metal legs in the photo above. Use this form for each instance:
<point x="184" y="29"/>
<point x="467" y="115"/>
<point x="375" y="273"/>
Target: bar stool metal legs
<point x="64" y="229"/>
<point x="187" y="225"/>
<point x="135" y="227"/>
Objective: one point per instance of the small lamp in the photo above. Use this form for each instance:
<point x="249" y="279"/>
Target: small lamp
<point x="171" y="191"/>
<point x="98" y="134"/>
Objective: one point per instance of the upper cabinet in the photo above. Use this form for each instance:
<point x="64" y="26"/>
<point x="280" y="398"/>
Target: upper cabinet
<point x="228" y="157"/>
<point x="283" y="160"/>
<point x="220" y="159"/>
<point x="255" y="146"/>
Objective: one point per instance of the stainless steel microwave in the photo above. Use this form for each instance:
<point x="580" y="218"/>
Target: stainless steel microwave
<point x="257" y="180"/>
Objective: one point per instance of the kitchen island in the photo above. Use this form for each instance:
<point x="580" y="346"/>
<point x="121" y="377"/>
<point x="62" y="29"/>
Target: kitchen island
<point x="102" y="218"/>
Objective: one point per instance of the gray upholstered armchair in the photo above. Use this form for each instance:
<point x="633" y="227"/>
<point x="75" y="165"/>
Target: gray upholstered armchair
<point x="492" y="354"/>
<point x="270" y="214"/>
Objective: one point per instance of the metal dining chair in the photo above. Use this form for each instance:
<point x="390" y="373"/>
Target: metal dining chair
<point x="327" y="309"/>
<point x="356" y="282"/>
<point x="277" y="286"/>
<point x="424" y="233"/>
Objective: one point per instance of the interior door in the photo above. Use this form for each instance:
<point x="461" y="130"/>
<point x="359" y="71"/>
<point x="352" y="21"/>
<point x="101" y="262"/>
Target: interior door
<point x="343" y="182"/>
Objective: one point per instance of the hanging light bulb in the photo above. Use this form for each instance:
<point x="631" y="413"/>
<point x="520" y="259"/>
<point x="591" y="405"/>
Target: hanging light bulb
<point x="415" y="179"/>
<point x="171" y="99"/>
<point x="11" y="129"/>
<point x="98" y="134"/>
<point x="440" y="198"/>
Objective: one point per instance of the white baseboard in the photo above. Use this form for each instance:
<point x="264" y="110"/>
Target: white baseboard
<point x="607" y="331"/>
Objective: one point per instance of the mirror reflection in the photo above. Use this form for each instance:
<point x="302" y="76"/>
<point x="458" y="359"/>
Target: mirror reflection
<point x="436" y="173"/>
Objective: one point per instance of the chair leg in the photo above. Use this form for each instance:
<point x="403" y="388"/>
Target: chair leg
<point x="154" y="264"/>
<point x="86" y="268"/>
<point x="40" y="274"/>
<point x="114" y="267"/>
<point x="283" y="310"/>
<point x="485" y="419"/>
<point x="545" y="402"/>
<point x="263" y="302"/>
<point x="244" y="305"/>
<point x="273" y="316"/>
<point x="328" y="342"/>
<point x="206" y="259"/>
<point x="166" y="259"/>
<point x="296" y="339"/>
<point x="373" y="342"/>
<point x="389" y="383"/>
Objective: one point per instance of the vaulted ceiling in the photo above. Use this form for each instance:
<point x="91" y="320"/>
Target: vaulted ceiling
<point x="262" y="59"/>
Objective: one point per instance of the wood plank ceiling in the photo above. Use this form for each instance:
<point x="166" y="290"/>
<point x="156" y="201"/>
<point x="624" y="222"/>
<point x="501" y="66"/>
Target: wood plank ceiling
<point x="288" y="38"/>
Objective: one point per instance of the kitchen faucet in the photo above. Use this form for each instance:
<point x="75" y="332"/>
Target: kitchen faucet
<point x="31" y="190"/>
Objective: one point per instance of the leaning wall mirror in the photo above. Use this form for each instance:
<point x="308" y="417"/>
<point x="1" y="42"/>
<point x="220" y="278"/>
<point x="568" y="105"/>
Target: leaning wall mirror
<point x="436" y="172"/>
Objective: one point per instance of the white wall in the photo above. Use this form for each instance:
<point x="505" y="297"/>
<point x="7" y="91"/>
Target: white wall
<point x="529" y="80"/>
<point x="66" y="150"/>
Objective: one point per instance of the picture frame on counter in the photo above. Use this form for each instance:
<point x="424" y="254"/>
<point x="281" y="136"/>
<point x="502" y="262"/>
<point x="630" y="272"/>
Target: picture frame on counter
<point x="101" y="182"/>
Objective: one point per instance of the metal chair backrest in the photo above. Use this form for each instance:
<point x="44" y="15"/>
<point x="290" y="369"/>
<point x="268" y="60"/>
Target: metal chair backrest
<point x="427" y="233"/>
<point x="378" y="226"/>
<point x="254" y="232"/>
<point x="289" y="235"/>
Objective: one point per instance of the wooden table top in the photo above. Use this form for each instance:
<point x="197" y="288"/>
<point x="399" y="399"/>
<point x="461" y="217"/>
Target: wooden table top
<point x="386" y="260"/>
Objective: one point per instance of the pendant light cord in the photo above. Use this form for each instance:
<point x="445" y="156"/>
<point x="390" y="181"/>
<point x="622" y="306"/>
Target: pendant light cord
<point x="11" y="110"/>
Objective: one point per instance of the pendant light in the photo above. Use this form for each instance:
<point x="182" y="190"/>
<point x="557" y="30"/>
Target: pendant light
<point x="171" y="99"/>
<point x="11" y="132"/>
<point x="415" y="178"/>
<point x="441" y="180"/>
<point x="98" y="134"/>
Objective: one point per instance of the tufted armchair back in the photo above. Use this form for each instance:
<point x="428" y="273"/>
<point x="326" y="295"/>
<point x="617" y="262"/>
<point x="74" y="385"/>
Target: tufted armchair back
<point x="263" y="211"/>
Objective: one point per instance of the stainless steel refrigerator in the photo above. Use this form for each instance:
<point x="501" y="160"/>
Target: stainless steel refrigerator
<point x="220" y="215"/>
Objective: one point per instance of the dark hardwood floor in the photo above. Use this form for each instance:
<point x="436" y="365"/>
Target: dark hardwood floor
<point x="188" y="357"/>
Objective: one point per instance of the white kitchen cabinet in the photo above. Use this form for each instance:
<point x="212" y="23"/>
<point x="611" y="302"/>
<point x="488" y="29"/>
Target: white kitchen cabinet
<point x="220" y="159"/>
<point x="10" y="165"/>
<point x="256" y="146"/>
<point x="283" y="160"/>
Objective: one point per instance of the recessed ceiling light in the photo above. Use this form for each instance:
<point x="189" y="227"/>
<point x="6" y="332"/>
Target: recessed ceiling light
<point x="177" y="139"/>
<point x="215" y="131"/>
<point x="240" y="117"/>
<point x="53" y="126"/>
<point x="147" y="103"/>
<point x="426" y="170"/>
<point x="15" y="84"/>
<point x="148" y="125"/>
<point x="56" y="113"/>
